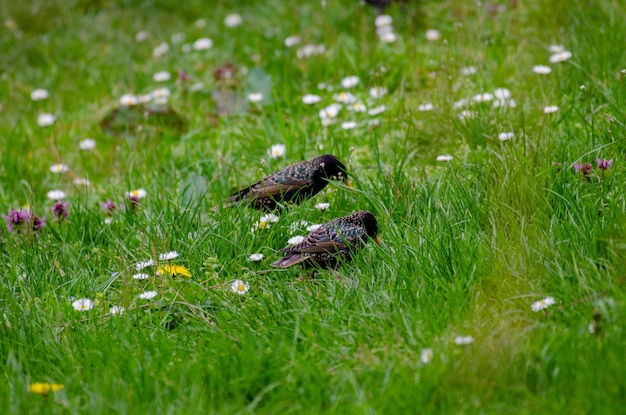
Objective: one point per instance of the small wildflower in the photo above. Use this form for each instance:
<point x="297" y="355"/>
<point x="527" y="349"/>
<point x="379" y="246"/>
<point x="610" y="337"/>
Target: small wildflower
<point x="502" y="93"/>
<point x="426" y="356"/>
<point x="604" y="164"/>
<point x="586" y="169"/>
<point x="175" y="270"/>
<point x="468" y="70"/>
<point x="313" y="227"/>
<point x="108" y="206"/>
<point x="350" y="81"/>
<point x="309" y="50"/>
<point x="484" y="97"/>
<point x="432" y="35"/>
<point x="378" y="91"/>
<point x="148" y="295"/>
<point x="357" y="107"/>
<point x="560" y="56"/>
<point x="81" y="181"/>
<point x="556" y="48"/>
<point x="466" y="114"/>
<point x="295" y="240"/>
<point x="87" y="144"/>
<point x="141" y="36"/>
<point x="505" y="136"/>
<point x="310" y="99"/>
<point x="322" y="206"/>
<point x="426" y="107"/>
<point x="383" y="20"/>
<point x="17" y="218"/>
<point x="463" y="340"/>
<point x="162" y="76"/>
<point x="168" y="256"/>
<point x="292" y="41"/>
<point x="140" y="276"/>
<point x="503" y="103"/>
<point x="117" y="310"/>
<point x="344" y="97"/>
<point x="161" y="50"/>
<point x="542" y="69"/>
<point x="377" y="110"/>
<point x="39" y="94"/>
<point x="44" y="388"/>
<point x="240" y="287"/>
<point x="265" y="222"/>
<point x="135" y="195"/>
<point x="56" y="194"/>
<point x="444" y="157"/>
<point x="59" y="168"/>
<point x="550" y="109"/>
<point x="144" y="264"/>
<point x="256" y="257"/>
<point x="45" y="120"/>
<point x="542" y="304"/>
<point x="128" y="100"/>
<point x="233" y="20"/>
<point x="255" y="97"/>
<point x="348" y="125"/>
<point x="59" y="209"/>
<point x="330" y="111"/>
<point x="83" y="304"/>
<point x="203" y="44"/>
<point x="277" y="150"/>
<point x="388" y="37"/>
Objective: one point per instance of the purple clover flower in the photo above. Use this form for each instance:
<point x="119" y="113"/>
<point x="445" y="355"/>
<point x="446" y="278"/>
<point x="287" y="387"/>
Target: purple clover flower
<point x="17" y="219"/>
<point x="59" y="209"/>
<point x="604" y="164"/>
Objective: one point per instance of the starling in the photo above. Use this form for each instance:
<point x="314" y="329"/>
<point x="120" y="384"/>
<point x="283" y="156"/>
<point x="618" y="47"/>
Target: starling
<point x="335" y="240"/>
<point x="294" y="183"/>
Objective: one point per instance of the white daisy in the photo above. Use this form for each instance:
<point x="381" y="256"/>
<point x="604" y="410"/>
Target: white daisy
<point x="377" y="110"/>
<point x="503" y="103"/>
<point x="203" y="43"/>
<point x="144" y="264"/>
<point x="463" y="340"/>
<point x="542" y="304"/>
<point x="502" y="93"/>
<point x="148" y="295"/>
<point x="136" y="194"/>
<point x="168" y="255"/>
<point x="484" y="97"/>
<point x="378" y="91"/>
<point x="45" y="120"/>
<point x="141" y="36"/>
<point x="389" y="37"/>
<point x="344" y="97"/>
<point x="460" y="103"/>
<point x="313" y="227"/>
<point x="233" y="20"/>
<point x="117" y="310"/>
<point x="140" y="276"/>
<point x="350" y="81"/>
<point x="240" y="287"/>
<point x="330" y="111"/>
<point x="383" y="20"/>
<point x="444" y="157"/>
<point x="59" y="168"/>
<point x="83" y="304"/>
<point x="466" y="114"/>
<point x="162" y="76"/>
<point x="39" y="94"/>
<point x="129" y="100"/>
<point x="357" y="107"/>
<point x="255" y="97"/>
<point x="56" y="194"/>
<point x="560" y="56"/>
<point x="426" y="107"/>
<point x="556" y="48"/>
<point x="383" y="30"/>
<point x="311" y="99"/>
<point x="292" y="41"/>
<point x="309" y="50"/>
<point x="468" y="70"/>
<point x="550" y="109"/>
<point x="322" y="206"/>
<point x="256" y="257"/>
<point x="277" y="150"/>
<point x="81" y="181"/>
<point x="348" y="125"/>
<point x="432" y="35"/>
<point x="505" y="136"/>
<point x="161" y="50"/>
<point x="87" y="144"/>
<point x="265" y="222"/>
<point x="426" y="355"/>
<point x="542" y="69"/>
<point x="295" y="240"/>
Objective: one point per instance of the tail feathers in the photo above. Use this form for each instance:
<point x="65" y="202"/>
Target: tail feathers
<point x="290" y="260"/>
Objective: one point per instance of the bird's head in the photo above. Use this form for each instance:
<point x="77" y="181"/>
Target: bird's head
<point x="369" y="223"/>
<point x="333" y="169"/>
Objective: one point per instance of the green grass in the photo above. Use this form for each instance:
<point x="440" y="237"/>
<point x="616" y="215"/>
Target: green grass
<point x="468" y="245"/>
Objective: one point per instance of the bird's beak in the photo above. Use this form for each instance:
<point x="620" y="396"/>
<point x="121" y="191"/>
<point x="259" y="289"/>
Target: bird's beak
<point x="377" y="240"/>
<point x="347" y="183"/>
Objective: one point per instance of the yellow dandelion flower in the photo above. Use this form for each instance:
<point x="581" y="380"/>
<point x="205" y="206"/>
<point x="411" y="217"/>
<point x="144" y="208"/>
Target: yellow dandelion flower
<point x="44" y="388"/>
<point x="175" y="270"/>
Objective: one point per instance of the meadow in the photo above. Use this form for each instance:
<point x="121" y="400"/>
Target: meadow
<point x="488" y="139"/>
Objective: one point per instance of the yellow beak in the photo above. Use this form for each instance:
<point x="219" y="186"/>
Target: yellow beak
<point x="377" y="240"/>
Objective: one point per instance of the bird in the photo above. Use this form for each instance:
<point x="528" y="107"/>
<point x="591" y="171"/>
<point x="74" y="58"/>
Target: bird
<point x="334" y="241"/>
<point x="291" y="184"/>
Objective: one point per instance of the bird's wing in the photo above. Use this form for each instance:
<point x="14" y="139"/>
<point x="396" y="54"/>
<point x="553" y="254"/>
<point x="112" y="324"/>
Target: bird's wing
<point x="324" y="239"/>
<point x="268" y="188"/>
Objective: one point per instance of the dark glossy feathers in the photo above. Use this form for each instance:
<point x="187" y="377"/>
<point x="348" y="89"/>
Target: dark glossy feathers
<point x="335" y="240"/>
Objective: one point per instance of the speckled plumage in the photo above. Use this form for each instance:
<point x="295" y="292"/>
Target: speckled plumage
<point x="335" y="240"/>
<point x="292" y="184"/>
